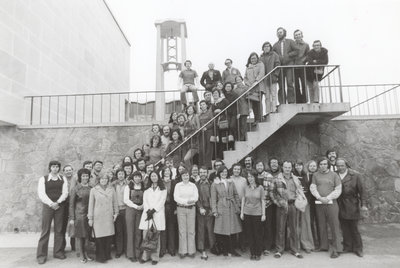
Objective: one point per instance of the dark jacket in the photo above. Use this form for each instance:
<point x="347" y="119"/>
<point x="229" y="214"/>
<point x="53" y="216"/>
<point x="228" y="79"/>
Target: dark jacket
<point x="209" y="83"/>
<point x="231" y="97"/>
<point x="290" y="51"/>
<point x="271" y="60"/>
<point x="305" y="181"/>
<point x="316" y="58"/>
<point x="353" y="196"/>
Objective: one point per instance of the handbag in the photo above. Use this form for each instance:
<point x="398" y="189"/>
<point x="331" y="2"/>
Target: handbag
<point x="71" y="229"/>
<point x="150" y="241"/>
<point x="92" y="235"/>
<point x="301" y="202"/>
<point x="223" y="124"/>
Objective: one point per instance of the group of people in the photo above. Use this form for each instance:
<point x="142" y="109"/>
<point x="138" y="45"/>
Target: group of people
<point x="285" y="62"/>
<point x="268" y="208"/>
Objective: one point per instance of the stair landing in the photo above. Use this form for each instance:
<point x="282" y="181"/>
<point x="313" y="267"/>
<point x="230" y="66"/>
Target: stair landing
<point x="292" y="114"/>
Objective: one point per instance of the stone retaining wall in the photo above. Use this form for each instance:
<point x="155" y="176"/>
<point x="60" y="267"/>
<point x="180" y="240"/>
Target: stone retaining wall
<point x="371" y="146"/>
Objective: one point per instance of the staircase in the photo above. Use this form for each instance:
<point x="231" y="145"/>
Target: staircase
<point x="331" y="105"/>
<point x="288" y="114"/>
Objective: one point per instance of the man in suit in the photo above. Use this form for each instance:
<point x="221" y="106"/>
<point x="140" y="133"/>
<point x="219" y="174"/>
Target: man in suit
<point x="287" y="51"/>
<point x="352" y="198"/>
<point x="210" y="77"/>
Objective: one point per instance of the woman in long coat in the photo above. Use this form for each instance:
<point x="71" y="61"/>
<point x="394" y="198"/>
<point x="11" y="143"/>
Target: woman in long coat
<point x="153" y="204"/>
<point x="102" y="212"/>
<point x="206" y="147"/>
<point x="78" y="210"/>
<point x="243" y="108"/>
<point x="226" y="209"/>
<point x="255" y="71"/>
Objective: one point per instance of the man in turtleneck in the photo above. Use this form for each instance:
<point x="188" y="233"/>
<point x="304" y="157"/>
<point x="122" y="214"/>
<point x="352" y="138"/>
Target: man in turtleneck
<point x="299" y="73"/>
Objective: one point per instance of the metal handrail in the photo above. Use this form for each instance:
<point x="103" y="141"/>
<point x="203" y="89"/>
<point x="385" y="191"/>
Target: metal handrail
<point x="384" y="92"/>
<point x="234" y="102"/>
<point x="102" y="93"/>
<point x="164" y="91"/>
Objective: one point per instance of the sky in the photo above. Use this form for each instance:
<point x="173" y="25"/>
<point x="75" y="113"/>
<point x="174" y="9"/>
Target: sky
<point x="361" y="35"/>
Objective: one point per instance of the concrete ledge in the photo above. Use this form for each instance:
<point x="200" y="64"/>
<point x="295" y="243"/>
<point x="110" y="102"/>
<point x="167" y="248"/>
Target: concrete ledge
<point x="367" y="117"/>
<point x="124" y="124"/>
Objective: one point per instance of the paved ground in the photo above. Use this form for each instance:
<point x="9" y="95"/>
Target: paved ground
<point x="381" y="249"/>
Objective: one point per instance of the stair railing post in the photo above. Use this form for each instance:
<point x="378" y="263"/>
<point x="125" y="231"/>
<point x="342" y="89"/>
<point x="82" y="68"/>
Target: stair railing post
<point x="340" y="85"/>
<point x="293" y="85"/>
<point x="306" y="91"/>
<point x="238" y="120"/>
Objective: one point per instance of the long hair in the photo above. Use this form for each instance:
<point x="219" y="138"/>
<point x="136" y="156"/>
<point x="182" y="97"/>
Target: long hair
<point x="152" y="140"/>
<point x="170" y="117"/>
<point x="249" y="59"/>
<point x="160" y="183"/>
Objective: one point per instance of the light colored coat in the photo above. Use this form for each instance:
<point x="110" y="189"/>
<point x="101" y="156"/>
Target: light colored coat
<point x="253" y="74"/>
<point x="103" y="205"/>
<point x="154" y="199"/>
<point x="225" y="202"/>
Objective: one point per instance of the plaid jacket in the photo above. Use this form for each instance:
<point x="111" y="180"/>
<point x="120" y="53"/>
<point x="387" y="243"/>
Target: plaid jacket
<point x="267" y="181"/>
<point x="279" y="191"/>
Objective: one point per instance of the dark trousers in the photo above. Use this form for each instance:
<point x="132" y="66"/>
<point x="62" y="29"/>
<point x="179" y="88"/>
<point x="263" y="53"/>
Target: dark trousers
<point x="48" y="214"/>
<point x="120" y="233"/>
<point x="269" y="227"/>
<point x="64" y="228"/>
<point x="133" y="234"/>
<point x="253" y="229"/>
<point x="224" y="242"/>
<point x="103" y="248"/>
<point x="242" y="134"/>
<point x="232" y="122"/>
<point x="314" y="224"/>
<point x="329" y="214"/>
<point x="255" y="106"/>
<point x="351" y="236"/>
<point x="286" y="74"/>
<point x="168" y="237"/>
<point x="205" y="230"/>
<point x="287" y="220"/>
<point x="300" y="81"/>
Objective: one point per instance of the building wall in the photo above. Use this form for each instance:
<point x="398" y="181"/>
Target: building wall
<point x="59" y="47"/>
<point x="372" y="147"/>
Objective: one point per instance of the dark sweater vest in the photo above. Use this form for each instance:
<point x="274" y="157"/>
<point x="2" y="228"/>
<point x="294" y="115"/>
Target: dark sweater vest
<point x="53" y="188"/>
<point x="135" y="195"/>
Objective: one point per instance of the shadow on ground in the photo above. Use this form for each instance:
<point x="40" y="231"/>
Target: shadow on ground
<point x="381" y="249"/>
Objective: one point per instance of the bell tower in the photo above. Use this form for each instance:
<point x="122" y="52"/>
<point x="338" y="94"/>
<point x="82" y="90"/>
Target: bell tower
<point x="169" y="34"/>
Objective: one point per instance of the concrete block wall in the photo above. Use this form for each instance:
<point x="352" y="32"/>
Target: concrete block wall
<point x="59" y="47"/>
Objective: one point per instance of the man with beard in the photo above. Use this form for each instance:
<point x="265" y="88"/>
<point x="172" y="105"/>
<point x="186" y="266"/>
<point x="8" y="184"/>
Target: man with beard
<point x="300" y="73"/>
<point x="274" y="166"/>
<point x="332" y="155"/>
<point x="287" y="51"/>
<point x="267" y="181"/>
<point x="248" y="166"/>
